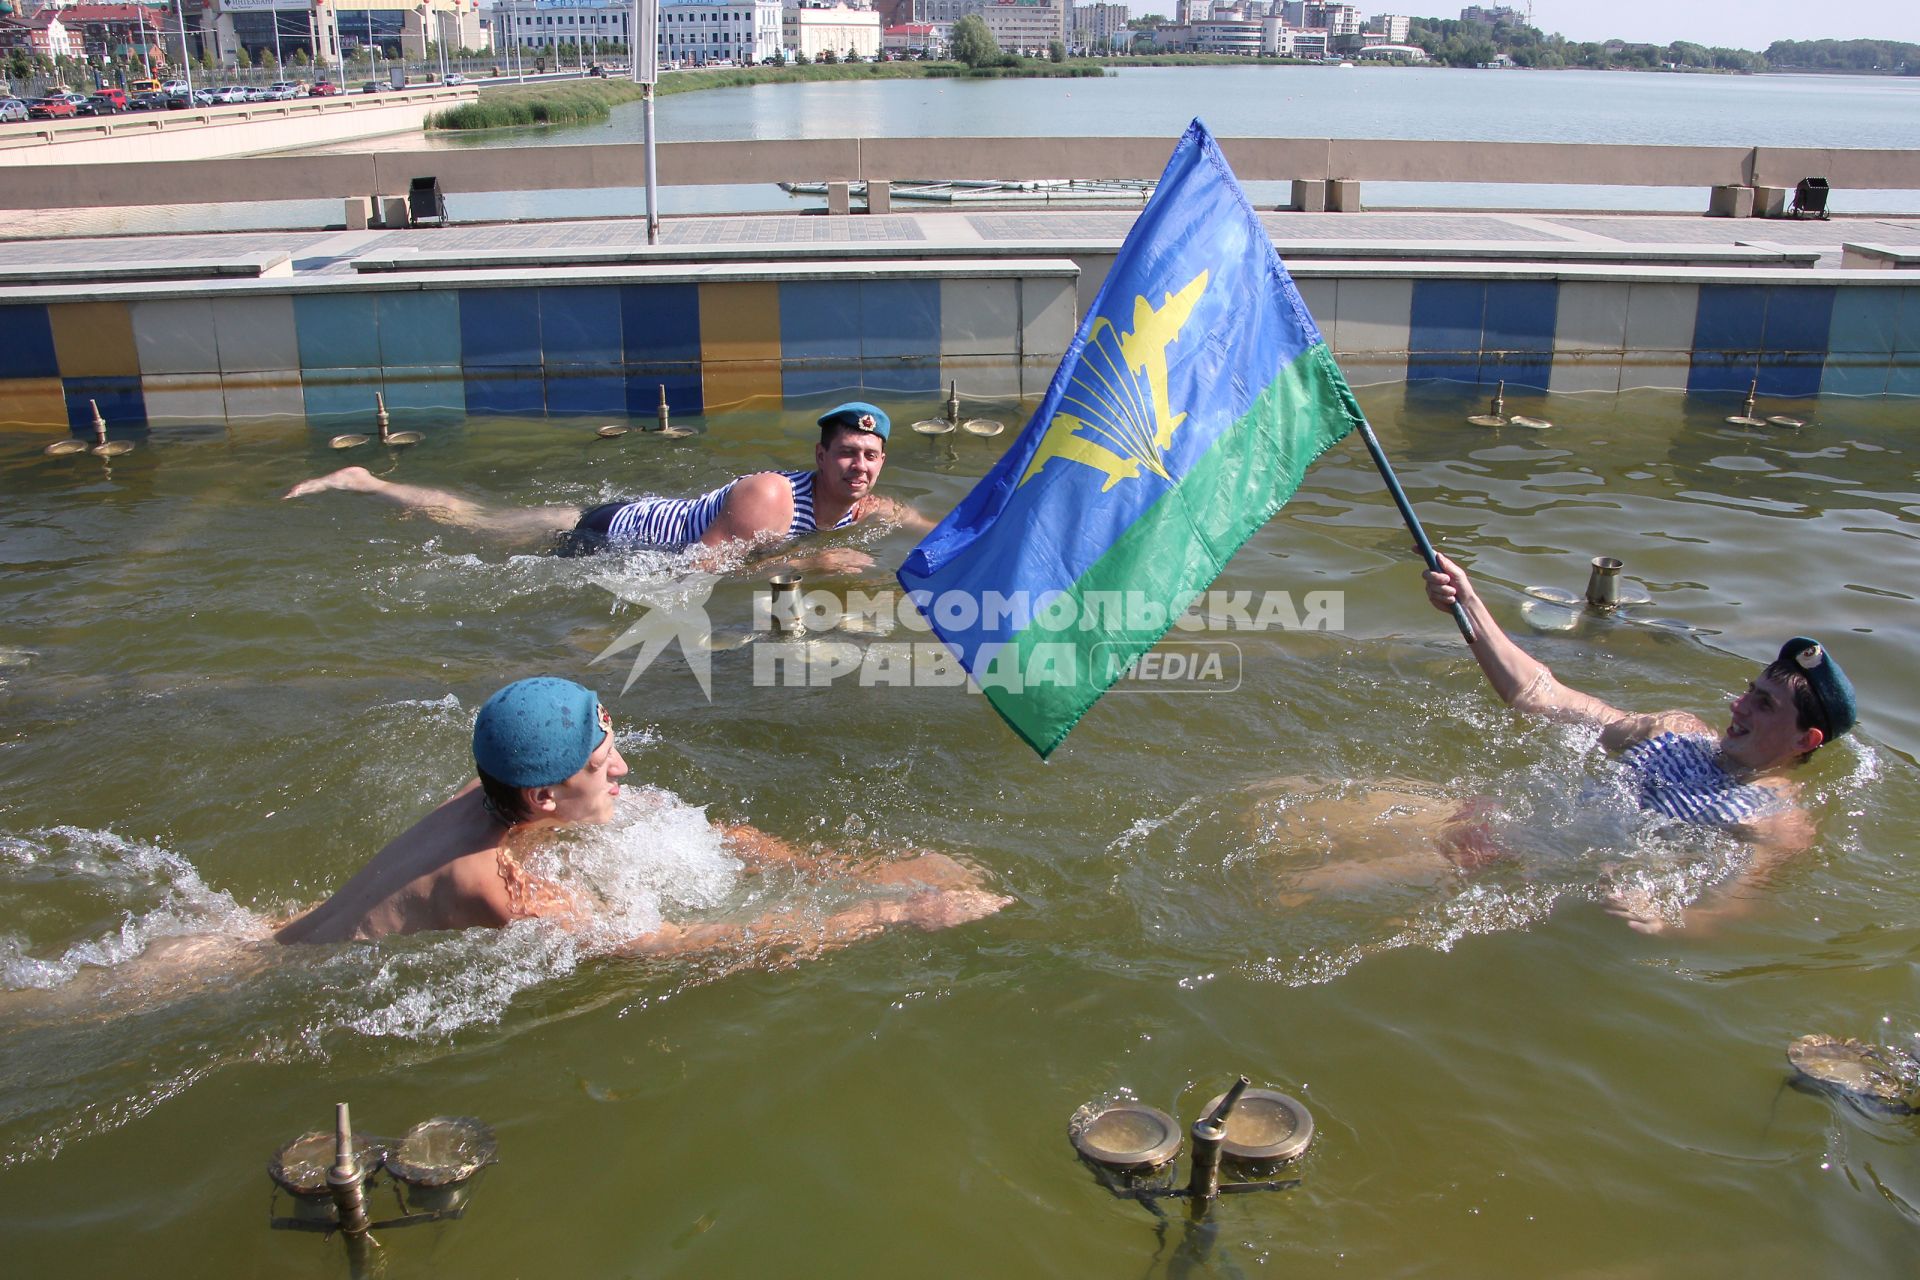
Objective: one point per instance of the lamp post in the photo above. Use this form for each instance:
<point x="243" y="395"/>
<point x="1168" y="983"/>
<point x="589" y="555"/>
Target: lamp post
<point x="646" y="73"/>
<point x="186" y="59"/>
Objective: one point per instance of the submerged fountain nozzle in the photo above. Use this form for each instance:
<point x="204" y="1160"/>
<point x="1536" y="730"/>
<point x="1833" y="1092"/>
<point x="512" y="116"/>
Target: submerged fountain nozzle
<point x="1209" y="1134"/>
<point x="953" y="403"/>
<point x="345" y="1180"/>
<point x="1132" y="1147"/>
<point x="1603" y="584"/>
<point x="1745" y="417"/>
<point x="783" y="590"/>
<point x="1496" y="414"/>
<point x="665" y="417"/>
<point x="390" y="437"/>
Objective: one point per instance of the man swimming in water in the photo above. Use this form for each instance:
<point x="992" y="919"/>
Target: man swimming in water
<point x="758" y="511"/>
<point x="1737" y="780"/>
<point x="546" y="759"/>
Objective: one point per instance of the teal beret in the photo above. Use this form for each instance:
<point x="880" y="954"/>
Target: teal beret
<point x="1831" y="688"/>
<point x="537" y="732"/>
<point x="860" y="416"/>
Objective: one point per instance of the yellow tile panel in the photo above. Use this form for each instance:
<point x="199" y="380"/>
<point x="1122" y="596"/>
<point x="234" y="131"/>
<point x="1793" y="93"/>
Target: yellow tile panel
<point x="94" y="339"/>
<point x="732" y="384"/>
<point x="33" y="402"/>
<point x="740" y="321"/>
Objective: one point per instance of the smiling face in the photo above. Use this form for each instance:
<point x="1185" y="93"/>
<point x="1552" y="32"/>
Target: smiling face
<point x="849" y="464"/>
<point x="1765" y="732"/>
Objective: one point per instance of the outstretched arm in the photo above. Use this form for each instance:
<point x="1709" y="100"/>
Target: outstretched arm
<point x="1522" y="681"/>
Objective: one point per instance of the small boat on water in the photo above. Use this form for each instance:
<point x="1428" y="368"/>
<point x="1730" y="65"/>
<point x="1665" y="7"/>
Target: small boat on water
<point x="1079" y="191"/>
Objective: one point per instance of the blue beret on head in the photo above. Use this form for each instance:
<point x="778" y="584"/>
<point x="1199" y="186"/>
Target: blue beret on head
<point x="537" y="732"/>
<point x="1831" y="688"/>
<point x="860" y="416"/>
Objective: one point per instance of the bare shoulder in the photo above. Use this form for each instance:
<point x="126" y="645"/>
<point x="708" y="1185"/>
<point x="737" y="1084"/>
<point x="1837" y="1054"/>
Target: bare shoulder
<point x="758" y="503"/>
<point x="1633" y="727"/>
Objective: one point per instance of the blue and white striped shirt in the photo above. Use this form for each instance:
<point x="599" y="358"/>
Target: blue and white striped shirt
<point x="1681" y="776"/>
<point x="672" y="524"/>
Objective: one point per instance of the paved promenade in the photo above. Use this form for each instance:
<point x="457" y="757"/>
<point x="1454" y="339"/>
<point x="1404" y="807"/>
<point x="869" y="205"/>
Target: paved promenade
<point x="1652" y="240"/>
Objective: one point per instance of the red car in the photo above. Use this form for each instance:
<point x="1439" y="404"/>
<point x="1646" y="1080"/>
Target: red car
<point x="50" y="109"/>
<point x="323" y="89"/>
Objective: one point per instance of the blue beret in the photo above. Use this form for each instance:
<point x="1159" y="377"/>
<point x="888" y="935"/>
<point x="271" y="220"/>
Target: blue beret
<point x="860" y="416"/>
<point x="1831" y="688"/>
<point x="537" y="732"/>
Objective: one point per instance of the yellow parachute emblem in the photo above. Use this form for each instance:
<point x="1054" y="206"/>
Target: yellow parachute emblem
<point x="1112" y="426"/>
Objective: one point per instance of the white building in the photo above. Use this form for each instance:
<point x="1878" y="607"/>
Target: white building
<point x="1394" y="26"/>
<point x="1029" y="25"/>
<point x="576" y="26"/>
<point x="812" y="29"/>
<point x="748" y="31"/>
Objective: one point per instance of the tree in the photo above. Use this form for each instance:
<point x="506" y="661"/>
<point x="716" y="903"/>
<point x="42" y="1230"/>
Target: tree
<point x="973" y="44"/>
<point x="1056" y="51"/>
<point x="300" y="58"/>
<point x="241" y="58"/>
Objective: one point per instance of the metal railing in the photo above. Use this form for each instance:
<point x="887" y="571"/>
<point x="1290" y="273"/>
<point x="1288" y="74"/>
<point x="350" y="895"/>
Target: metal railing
<point x="543" y="168"/>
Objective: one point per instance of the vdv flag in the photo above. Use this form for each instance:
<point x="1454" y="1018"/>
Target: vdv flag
<point x="1184" y="415"/>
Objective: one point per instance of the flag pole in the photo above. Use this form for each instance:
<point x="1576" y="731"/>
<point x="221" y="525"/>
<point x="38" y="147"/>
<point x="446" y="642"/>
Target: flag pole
<point x="1413" y="522"/>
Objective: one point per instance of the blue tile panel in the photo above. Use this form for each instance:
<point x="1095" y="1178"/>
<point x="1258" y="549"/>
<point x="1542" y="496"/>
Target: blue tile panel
<point x="26" y="343"/>
<point x="513" y="391"/>
<point x="1483" y="331"/>
<point x="500" y="328"/>
<point x="337" y="331"/>
<point x="1773" y="335"/>
<point x="419" y="330"/>
<point x="580" y="326"/>
<point x="121" y="403"/>
<point x="661" y="323"/>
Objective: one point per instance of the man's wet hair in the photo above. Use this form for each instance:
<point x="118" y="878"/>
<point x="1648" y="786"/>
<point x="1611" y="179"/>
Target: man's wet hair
<point x="509" y="804"/>
<point x="1808" y="713"/>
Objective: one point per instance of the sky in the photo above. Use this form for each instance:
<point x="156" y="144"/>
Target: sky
<point x="1737" y="24"/>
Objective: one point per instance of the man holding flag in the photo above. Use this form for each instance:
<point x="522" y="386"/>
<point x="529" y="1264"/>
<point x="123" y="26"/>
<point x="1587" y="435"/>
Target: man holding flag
<point x="1184" y="415"/>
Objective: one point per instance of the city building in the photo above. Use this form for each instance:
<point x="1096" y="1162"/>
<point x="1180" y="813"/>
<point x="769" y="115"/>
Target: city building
<point x="813" y="28"/>
<point x="111" y="31"/>
<point x="542" y="28"/>
<point x="1100" y="27"/>
<point x="1393" y="27"/>
<point x="912" y="39"/>
<point x="746" y="31"/>
<point x="47" y="36"/>
<point x="1493" y="15"/>
<point x="1026" y="25"/>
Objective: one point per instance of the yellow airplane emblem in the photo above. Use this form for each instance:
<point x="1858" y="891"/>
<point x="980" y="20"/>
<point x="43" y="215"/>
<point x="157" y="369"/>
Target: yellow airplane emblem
<point x="1105" y="398"/>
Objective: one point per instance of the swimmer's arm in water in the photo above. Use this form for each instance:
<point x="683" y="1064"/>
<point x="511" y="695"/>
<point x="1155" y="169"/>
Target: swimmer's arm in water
<point x="1522" y="681"/>
<point x="797" y="935"/>
<point x="896" y="513"/>
<point x="759" y="850"/>
<point x="444" y="506"/>
<point x="1776" y="840"/>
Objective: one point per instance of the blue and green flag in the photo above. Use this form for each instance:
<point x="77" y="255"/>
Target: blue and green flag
<point x="1185" y="414"/>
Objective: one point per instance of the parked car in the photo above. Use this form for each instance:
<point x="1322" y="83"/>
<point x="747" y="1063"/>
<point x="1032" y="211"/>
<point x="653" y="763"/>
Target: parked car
<point x="104" y="106"/>
<point x="258" y="93"/>
<point x="228" y="94"/>
<point x="173" y="86"/>
<point x="454" y="77"/>
<point x="82" y="104"/>
<point x="151" y="101"/>
<point x="56" y="108"/>
<point x="135" y="87"/>
<point x="284" y="90"/>
<point x="371" y="86"/>
<point x="323" y="89"/>
<point x="183" y="100"/>
<point x="12" y="109"/>
<point x="117" y="96"/>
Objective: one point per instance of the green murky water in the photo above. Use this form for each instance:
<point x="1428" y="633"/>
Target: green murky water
<point x="216" y="705"/>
